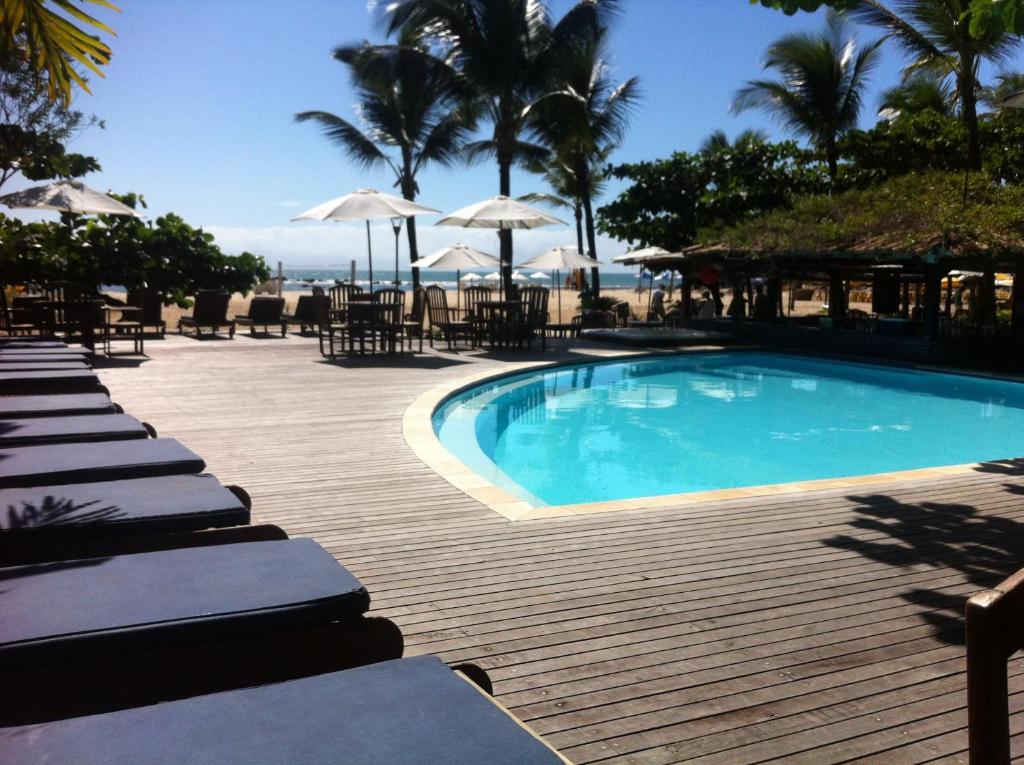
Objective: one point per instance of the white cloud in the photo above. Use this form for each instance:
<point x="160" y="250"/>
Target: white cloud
<point x="334" y="245"/>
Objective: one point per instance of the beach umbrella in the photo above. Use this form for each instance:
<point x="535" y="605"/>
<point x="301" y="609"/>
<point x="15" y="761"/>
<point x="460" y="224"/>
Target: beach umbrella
<point x="538" y="275"/>
<point x="495" y="277"/>
<point x="469" y="278"/>
<point x="366" y="204"/>
<point x="457" y="257"/>
<point x="557" y="258"/>
<point x="519" y="277"/>
<point x="67" y="197"/>
<point x="499" y="212"/>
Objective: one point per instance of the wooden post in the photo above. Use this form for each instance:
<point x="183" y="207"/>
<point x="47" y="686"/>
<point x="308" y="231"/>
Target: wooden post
<point x="932" y="302"/>
<point x="836" y="295"/>
<point x="1017" y="316"/>
<point x="686" y="299"/>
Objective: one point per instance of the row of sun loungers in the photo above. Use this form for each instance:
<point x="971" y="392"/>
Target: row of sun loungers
<point x="143" y="620"/>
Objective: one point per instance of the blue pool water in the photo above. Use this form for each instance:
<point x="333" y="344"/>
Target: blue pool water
<point x="712" y="421"/>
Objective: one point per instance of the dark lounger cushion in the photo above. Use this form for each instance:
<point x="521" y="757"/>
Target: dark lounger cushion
<point x="64" y="352"/>
<point x="81" y="429"/>
<point x="56" y="405"/>
<point x="12" y="361"/>
<point x="111" y="461"/>
<point x="36" y="382"/>
<point x="403" y="712"/>
<point x="31" y="365"/>
<point x="70" y="610"/>
<point x="117" y="508"/>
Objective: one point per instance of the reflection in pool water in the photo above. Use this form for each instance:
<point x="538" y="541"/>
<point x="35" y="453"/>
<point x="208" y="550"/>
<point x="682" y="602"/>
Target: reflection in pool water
<point x="695" y="422"/>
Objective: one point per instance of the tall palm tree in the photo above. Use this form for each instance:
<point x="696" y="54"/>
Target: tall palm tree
<point x="936" y="35"/>
<point x="918" y="93"/>
<point x="1006" y="84"/>
<point x="414" y="110"/>
<point x="823" y="77"/>
<point x="583" y="119"/>
<point x="718" y="140"/>
<point x="504" y="49"/>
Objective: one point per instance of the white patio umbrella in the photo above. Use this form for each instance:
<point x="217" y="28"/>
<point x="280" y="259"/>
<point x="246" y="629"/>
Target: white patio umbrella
<point x="495" y="277"/>
<point x="557" y="258"/>
<point x="67" y="197"/>
<point x="499" y="212"/>
<point x="540" y="275"/>
<point x="470" y="278"/>
<point x="457" y="257"/>
<point x="520" y="277"/>
<point x="366" y="204"/>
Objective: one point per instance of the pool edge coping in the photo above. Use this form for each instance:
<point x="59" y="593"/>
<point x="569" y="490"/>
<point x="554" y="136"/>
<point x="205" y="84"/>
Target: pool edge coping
<point x="418" y="431"/>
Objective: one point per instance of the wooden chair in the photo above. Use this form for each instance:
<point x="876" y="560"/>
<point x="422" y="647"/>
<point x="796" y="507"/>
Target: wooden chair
<point x="391" y="323"/>
<point x="210" y="310"/>
<point x="341" y="296"/>
<point x="535" y="314"/>
<point x="151" y="302"/>
<point x="412" y="322"/>
<point x="473" y="295"/>
<point x="14" y="322"/>
<point x="995" y="631"/>
<point x="441" y="321"/>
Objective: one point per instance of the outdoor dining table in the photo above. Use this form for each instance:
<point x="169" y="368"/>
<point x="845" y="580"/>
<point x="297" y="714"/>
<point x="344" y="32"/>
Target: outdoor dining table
<point x="498" y="320"/>
<point x="370" y="319"/>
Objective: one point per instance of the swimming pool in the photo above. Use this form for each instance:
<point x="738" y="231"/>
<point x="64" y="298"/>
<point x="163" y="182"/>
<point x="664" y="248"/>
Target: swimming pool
<point x="703" y="421"/>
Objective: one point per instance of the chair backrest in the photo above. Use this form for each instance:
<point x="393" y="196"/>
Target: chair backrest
<point x="311" y="309"/>
<point x="266" y="310"/>
<point x="437" y="305"/>
<point x="151" y="302"/>
<point x="390" y="296"/>
<point x="318" y="291"/>
<point x="995" y="631"/>
<point x="419" y="304"/>
<point x="341" y="294"/>
<point x="5" y="313"/>
<point x="211" y="307"/>
<point x="473" y="295"/>
<point x="535" y="305"/>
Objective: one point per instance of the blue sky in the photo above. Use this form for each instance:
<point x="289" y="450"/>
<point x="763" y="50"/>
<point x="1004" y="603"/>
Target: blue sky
<point x="200" y="97"/>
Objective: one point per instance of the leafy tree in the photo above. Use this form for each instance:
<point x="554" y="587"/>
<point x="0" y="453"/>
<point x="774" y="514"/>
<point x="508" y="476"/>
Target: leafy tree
<point x="918" y="93"/>
<point x="34" y="129"/>
<point x="936" y="36"/>
<point x="719" y="140"/>
<point x="823" y="77"/>
<point x="166" y="254"/>
<point x="412" y="103"/>
<point x="985" y="16"/>
<point x="505" y="49"/>
<point x="1006" y="84"/>
<point x="582" y="120"/>
<point x="669" y="200"/>
<point x="53" y="44"/>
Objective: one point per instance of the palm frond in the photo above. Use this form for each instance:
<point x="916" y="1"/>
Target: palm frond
<point x="346" y="135"/>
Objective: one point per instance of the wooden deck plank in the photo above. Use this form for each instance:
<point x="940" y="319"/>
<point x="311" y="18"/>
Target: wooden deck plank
<point x="821" y="627"/>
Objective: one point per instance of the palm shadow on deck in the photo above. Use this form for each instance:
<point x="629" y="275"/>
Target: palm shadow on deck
<point x="397" y="361"/>
<point x="948" y="537"/>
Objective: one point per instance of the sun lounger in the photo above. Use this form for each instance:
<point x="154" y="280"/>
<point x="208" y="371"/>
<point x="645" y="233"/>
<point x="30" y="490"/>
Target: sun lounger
<point x="210" y="310"/>
<point x="28" y="364"/>
<point x="57" y="405"/>
<point x="55" y="354"/>
<point x="310" y="312"/>
<point x="33" y="342"/>
<point x="112" y="517"/>
<point x="414" y="710"/>
<point x="52" y="381"/>
<point x="81" y="636"/>
<point x="111" y="461"/>
<point x="264" y="311"/>
<point x="88" y="428"/>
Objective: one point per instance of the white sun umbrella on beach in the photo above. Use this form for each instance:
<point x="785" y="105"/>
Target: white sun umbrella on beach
<point x="539" y="275"/>
<point x="366" y="204"/>
<point x="469" y="278"/>
<point x="557" y="258"/>
<point x="1014" y="100"/>
<point x="520" y="277"/>
<point x="67" y="197"/>
<point x="500" y="212"/>
<point x="457" y="257"/>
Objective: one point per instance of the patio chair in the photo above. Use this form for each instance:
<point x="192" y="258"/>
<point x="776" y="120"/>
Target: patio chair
<point x="441" y="321"/>
<point x="995" y="631"/>
<point x="89" y="520"/>
<point x="412" y="322"/>
<point x="19" y="321"/>
<point x="535" y="314"/>
<point x="67" y="405"/>
<point x="264" y="311"/>
<point x="90" y="428"/>
<point x="308" y="312"/>
<point x="151" y="303"/>
<point x="391" y="322"/>
<point x="341" y="294"/>
<point x="127" y="630"/>
<point x="112" y="461"/>
<point x="210" y="310"/>
<point x="406" y="710"/>
<point x="473" y="295"/>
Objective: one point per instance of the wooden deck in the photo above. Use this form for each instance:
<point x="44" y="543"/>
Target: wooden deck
<point x="823" y="627"/>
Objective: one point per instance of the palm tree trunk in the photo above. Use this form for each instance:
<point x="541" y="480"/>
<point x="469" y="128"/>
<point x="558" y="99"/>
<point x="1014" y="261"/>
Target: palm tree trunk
<point x="408" y="183"/>
<point x="832" y="158"/>
<point x="595" y="277"/>
<point x="577" y="210"/>
<point x="505" y="234"/>
<point x="967" y="86"/>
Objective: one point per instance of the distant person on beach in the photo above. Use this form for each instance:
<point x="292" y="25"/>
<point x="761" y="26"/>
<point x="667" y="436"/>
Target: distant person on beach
<point x="658" y="302"/>
<point x="707" y="306"/>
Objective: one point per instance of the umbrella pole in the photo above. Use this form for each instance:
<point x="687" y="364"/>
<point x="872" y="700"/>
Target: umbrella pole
<point x="369" y="253"/>
<point x="558" y="288"/>
<point x="458" y="290"/>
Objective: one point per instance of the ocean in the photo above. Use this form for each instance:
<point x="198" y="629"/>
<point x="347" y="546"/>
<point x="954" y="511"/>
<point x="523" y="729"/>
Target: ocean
<point x="304" y="278"/>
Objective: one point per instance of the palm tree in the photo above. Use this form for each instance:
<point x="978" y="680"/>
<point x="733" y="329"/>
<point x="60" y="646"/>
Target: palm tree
<point x="936" y="35"/>
<point x="918" y="93"/>
<point x="718" y="140"/>
<point x="583" y="119"/>
<point x="823" y="80"/>
<point x="504" y="49"/>
<point x="1006" y="84"/>
<point x="412" y="103"/>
